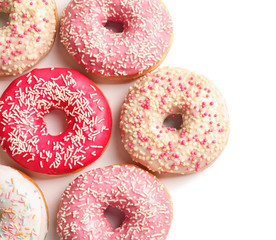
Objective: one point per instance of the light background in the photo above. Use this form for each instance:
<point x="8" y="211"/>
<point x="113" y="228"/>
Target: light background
<point x="233" y="43"/>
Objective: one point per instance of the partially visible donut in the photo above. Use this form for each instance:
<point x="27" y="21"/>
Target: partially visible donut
<point x="23" y="210"/>
<point x="28" y="35"/>
<point x="24" y="134"/>
<point x="140" y="48"/>
<point x="200" y="138"/>
<point x="139" y="195"/>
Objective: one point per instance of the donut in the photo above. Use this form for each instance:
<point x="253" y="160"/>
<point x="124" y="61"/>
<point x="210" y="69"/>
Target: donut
<point x="23" y="210"/>
<point x="28" y="35"/>
<point x="139" y="195"/>
<point x="142" y="45"/>
<point x="180" y="95"/>
<point x="23" y="131"/>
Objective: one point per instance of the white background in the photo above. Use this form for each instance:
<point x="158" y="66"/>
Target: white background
<point x="233" y="43"/>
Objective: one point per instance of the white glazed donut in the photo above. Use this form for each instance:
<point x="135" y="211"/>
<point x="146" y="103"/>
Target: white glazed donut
<point x="200" y="138"/>
<point x="23" y="210"/>
<point x="28" y="35"/>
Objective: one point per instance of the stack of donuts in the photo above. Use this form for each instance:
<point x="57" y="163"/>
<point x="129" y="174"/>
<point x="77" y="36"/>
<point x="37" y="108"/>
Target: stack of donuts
<point x="172" y="120"/>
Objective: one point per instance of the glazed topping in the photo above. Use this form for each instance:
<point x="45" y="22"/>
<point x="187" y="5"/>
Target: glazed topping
<point x="24" y="133"/>
<point x="169" y="92"/>
<point x="143" y="199"/>
<point x="28" y="34"/>
<point x="22" y="210"/>
<point x="146" y="36"/>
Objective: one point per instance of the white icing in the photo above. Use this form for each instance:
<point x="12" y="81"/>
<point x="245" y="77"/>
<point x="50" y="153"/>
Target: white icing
<point x="23" y="214"/>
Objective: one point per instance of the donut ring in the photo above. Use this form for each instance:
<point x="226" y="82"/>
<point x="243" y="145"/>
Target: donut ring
<point x="24" y="133"/>
<point x="23" y="210"/>
<point x="140" y="48"/>
<point x="28" y="35"/>
<point x="143" y="199"/>
<point x="203" y="133"/>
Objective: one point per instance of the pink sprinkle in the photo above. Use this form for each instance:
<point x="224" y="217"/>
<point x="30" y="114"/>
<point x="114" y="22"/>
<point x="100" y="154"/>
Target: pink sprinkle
<point x="173" y="165"/>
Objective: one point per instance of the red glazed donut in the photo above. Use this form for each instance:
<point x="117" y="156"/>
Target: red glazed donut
<point x="143" y="199"/>
<point x="23" y="131"/>
<point x="200" y="138"/>
<point x="28" y="35"/>
<point x="140" y="48"/>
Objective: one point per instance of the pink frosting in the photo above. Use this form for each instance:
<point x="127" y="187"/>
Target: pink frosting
<point x="143" y="199"/>
<point x="23" y="131"/>
<point x="143" y="43"/>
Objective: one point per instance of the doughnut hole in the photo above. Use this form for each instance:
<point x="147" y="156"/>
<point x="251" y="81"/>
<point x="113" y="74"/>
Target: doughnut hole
<point x="114" y="26"/>
<point x="56" y="122"/>
<point x="173" y="121"/>
<point x="115" y="216"/>
<point x="4" y="18"/>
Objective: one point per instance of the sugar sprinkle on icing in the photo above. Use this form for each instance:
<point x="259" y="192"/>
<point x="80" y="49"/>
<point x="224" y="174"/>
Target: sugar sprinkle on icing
<point x="169" y="91"/>
<point x="27" y="36"/>
<point x="143" y="43"/>
<point x="24" y="132"/>
<point x="143" y="199"/>
<point x="23" y="214"/>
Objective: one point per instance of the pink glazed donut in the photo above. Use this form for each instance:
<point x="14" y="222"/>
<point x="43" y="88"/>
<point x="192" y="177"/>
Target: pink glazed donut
<point x="24" y="134"/>
<point x="142" y="45"/>
<point x="138" y="194"/>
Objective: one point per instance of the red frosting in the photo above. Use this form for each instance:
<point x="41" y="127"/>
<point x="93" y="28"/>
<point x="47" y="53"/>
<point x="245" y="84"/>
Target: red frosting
<point x="23" y="131"/>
